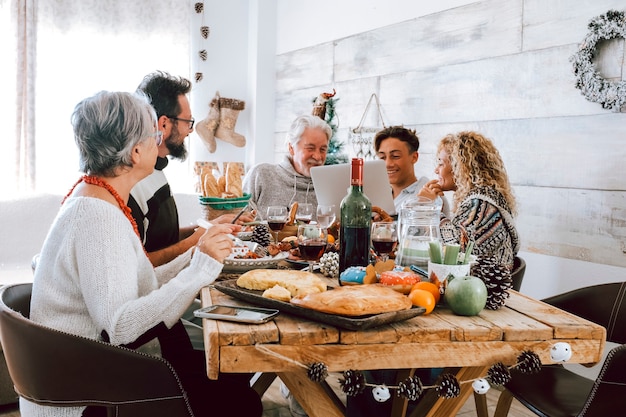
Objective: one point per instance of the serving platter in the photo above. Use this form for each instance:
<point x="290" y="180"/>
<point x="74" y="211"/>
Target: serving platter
<point x="232" y="264"/>
<point x="231" y="288"/>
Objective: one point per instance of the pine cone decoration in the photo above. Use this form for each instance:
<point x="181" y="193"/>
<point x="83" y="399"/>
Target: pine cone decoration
<point x="528" y="362"/>
<point x="411" y="388"/>
<point x="203" y="54"/>
<point x="204" y="31"/>
<point x="199" y="7"/>
<point x="261" y="235"/>
<point x="329" y="264"/>
<point x="199" y="77"/>
<point x="499" y="374"/>
<point x="448" y="386"/>
<point x="497" y="279"/>
<point x="317" y="372"/>
<point x="353" y="383"/>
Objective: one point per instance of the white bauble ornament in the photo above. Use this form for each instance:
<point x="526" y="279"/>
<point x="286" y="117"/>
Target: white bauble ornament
<point x="481" y="386"/>
<point x="561" y="352"/>
<point x="381" y="393"/>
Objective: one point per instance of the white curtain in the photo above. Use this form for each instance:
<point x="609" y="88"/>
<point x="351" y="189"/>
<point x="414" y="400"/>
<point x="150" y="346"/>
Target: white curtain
<point x="65" y="50"/>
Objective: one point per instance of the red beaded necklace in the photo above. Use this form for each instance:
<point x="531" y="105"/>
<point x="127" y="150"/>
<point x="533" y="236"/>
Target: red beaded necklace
<point x="98" y="182"/>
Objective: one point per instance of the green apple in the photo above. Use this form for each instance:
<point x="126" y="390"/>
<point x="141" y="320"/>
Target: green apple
<point x="466" y="296"/>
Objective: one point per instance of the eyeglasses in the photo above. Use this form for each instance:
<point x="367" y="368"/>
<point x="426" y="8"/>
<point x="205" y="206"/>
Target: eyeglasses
<point x="190" y="121"/>
<point x="158" y="137"/>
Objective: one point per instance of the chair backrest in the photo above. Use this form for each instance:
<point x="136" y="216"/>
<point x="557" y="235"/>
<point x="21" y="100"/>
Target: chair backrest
<point x="609" y="386"/>
<point x="517" y="275"/>
<point x="51" y="367"/>
<point x="603" y="304"/>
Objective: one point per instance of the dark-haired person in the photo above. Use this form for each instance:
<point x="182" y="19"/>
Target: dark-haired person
<point x="94" y="278"/>
<point x="398" y="147"/>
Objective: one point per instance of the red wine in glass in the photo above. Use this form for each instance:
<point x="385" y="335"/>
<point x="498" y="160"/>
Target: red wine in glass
<point x="312" y="251"/>
<point x="276" y="225"/>
<point x="384" y="246"/>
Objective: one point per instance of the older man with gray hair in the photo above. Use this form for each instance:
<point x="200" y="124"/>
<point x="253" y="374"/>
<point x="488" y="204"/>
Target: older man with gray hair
<point x="289" y="181"/>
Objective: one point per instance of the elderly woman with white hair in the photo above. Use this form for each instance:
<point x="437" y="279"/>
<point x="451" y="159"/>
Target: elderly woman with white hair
<point x="93" y="277"/>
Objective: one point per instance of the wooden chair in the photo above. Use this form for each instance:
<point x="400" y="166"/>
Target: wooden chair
<point x="55" y="368"/>
<point x="558" y="392"/>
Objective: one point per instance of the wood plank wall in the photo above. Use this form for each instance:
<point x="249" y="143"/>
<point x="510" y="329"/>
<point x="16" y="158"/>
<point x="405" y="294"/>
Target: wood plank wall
<point x="500" y="67"/>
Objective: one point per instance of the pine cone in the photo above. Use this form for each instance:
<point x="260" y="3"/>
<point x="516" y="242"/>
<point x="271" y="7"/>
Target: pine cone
<point x="411" y="388"/>
<point x="199" y="7"/>
<point x="448" y="386"/>
<point x="204" y="31"/>
<point x="317" y="372"/>
<point x="497" y="279"/>
<point x="499" y="374"/>
<point x="353" y="383"/>
<point x="261" y="235"/>
<point x="528" y="362"/>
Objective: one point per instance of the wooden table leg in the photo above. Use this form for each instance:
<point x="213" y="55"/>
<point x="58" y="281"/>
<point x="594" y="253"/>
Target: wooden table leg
<point x="317" y="399"/>
<point x="263" y="382"/>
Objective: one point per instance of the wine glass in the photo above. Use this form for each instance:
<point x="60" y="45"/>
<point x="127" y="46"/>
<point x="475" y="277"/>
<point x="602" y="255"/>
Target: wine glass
<point x="312" y="240"/>
<point x="276" y="219"/>
<point x="384" y="238"/>
<point x="304" y="214"/>
<point x="326" y="215"/>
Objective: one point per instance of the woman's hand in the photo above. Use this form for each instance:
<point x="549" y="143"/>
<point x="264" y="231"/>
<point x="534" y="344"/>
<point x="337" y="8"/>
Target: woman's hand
<point x="432" y="189"/>
<point x="216" y="243"/>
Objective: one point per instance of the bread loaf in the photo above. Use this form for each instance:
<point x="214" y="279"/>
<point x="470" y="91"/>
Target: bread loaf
<point x="233" y="180"/>
<point x="355" y="300"/>
<point x="297" y="282"/>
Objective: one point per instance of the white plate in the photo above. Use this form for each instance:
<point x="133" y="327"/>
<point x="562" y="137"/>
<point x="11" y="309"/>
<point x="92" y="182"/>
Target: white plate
<point x="232" y="264"/>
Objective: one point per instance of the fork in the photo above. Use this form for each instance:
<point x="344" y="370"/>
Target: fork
<point x="253" y="246"/>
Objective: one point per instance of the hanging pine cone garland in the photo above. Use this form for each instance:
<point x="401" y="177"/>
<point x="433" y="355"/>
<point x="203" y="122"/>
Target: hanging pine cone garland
<point x="497" y="279"/>
<point x="317" y="372"/>
<point x="198" y="7"/>
<point x="353" y="383"/>
<point x="204" y="31"/>
<point x="448" y="386"/>
<point x="528" y="362"/>
<point x="261" y="235"/>
<point x="411" y="388"/>
<point x="499" y="374"/>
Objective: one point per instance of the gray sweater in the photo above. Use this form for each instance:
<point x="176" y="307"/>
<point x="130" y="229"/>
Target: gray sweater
<point x="278" y="185"/>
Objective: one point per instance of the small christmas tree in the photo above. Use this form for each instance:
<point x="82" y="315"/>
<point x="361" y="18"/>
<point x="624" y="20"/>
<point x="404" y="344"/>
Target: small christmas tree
<point x="324" y="107"/>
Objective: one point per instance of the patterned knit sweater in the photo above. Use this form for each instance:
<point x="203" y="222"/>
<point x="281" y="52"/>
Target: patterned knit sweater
<point x="485" y="218"/>
<point x="94" y="276"/>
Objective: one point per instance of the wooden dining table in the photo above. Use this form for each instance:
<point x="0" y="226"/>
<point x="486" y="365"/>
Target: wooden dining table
<point x="467" y="346"/>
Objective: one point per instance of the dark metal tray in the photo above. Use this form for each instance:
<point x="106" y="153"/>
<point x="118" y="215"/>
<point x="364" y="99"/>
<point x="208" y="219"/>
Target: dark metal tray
<point x="230" y="287"/>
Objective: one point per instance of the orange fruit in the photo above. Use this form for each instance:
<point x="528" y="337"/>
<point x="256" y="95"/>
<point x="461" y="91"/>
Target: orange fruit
<point x="331" y="239"/>
<point x="423" y="298"/>
<point x="430" y="287"/>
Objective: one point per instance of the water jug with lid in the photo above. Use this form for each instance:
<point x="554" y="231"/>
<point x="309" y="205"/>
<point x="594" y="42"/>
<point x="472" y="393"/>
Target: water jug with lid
<point x="418" y="225"/>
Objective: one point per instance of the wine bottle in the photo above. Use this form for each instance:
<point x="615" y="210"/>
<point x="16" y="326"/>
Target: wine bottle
<point x="356" y="218"/>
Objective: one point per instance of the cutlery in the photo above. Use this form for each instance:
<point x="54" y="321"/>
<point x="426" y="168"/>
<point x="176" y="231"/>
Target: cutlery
<point x="253" y="246"/>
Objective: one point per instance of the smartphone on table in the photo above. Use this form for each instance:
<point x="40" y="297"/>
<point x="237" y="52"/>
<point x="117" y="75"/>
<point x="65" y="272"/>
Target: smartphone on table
<point x="239" y="314"/>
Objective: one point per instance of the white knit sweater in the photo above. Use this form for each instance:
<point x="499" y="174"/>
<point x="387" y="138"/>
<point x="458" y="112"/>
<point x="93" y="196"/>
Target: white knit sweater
<point x="94" y="275"/>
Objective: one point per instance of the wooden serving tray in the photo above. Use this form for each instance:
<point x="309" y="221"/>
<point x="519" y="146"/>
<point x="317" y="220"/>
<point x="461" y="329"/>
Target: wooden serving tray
<point x="231" y="288"/>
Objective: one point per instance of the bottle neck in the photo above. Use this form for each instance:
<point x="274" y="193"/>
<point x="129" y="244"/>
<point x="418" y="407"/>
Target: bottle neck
<point x="356" y="176"/>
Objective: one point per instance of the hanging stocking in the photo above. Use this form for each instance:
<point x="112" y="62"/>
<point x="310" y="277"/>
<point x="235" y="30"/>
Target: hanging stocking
<point x="206" y="128"/>
<point x="229" y="111"/>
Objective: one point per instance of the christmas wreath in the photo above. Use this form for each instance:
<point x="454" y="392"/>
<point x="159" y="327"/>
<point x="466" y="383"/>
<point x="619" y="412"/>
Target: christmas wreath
<point x="611" y="95"/>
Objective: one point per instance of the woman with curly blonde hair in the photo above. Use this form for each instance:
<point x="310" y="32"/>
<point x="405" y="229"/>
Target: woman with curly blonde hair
<point x="483" y="206"/>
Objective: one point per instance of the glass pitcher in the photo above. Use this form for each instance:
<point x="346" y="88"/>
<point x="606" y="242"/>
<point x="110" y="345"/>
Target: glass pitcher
<point x="418" y="225"/>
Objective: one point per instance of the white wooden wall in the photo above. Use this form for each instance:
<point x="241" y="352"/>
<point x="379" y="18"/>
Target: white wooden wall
<point x="500" y="67"/>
